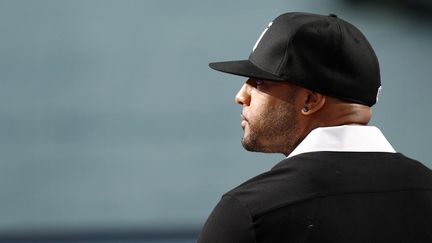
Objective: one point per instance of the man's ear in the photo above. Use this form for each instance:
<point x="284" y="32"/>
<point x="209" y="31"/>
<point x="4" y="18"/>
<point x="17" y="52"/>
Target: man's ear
<point x="313" y="102"/>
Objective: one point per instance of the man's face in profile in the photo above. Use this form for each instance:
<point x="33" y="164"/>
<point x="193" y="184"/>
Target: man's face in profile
<point x="269" y="116"/>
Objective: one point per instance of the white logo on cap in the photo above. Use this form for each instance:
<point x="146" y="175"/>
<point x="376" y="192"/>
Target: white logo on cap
<point x="378" y="93"/>
<point x="261" y="36"/>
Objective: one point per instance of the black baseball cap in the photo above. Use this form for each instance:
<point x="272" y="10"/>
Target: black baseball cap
<point x="322" y="53"/>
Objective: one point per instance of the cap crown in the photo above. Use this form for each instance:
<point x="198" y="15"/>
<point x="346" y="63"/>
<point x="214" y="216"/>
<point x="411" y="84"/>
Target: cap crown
<point x="322" y="53"/>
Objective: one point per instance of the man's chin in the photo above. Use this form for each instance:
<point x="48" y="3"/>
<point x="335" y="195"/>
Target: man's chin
<point x="246" y="143"/>
<point x="252" y="145"/>
<point x="255" y="146"/>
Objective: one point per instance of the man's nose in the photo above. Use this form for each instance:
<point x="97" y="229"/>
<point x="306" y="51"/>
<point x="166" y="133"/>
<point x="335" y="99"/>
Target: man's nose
<point x="243" y="96"/>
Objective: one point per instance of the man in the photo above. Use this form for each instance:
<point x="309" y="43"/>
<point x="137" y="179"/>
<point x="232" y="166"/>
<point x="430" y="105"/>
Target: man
<point x="312" y="80"/>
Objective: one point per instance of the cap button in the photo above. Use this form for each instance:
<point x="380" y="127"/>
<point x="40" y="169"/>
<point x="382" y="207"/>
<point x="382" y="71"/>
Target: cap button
<point x="333" y="15"/>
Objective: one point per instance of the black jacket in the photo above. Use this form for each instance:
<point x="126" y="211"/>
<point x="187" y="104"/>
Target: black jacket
<point x="328" y="197"/>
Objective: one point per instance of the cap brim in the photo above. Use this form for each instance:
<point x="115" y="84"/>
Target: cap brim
<point x="243" y="68"/>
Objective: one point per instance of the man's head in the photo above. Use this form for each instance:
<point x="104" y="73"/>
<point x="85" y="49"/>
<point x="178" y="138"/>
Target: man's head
<point x="305" y="71"/>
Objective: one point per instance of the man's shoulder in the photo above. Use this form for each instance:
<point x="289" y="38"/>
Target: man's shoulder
<point x="319" y="174"/>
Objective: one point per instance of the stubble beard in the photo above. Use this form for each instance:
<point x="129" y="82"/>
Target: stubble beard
<point x="274" y="132"/>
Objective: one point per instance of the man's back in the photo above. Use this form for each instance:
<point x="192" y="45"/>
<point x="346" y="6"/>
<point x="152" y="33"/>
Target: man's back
<point x="329" y="197"/>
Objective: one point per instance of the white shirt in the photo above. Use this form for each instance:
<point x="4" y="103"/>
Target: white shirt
<point x="347" y="138"/>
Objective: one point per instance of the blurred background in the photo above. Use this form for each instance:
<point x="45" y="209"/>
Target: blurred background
<point x="113" y="128"/>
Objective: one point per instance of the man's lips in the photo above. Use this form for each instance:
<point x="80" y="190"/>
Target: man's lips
<point x="243" y="117"/>
<point x="244" y="120"/>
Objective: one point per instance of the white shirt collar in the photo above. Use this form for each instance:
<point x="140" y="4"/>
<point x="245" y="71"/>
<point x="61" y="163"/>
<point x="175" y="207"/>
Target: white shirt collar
<point x="348" y="138"/>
